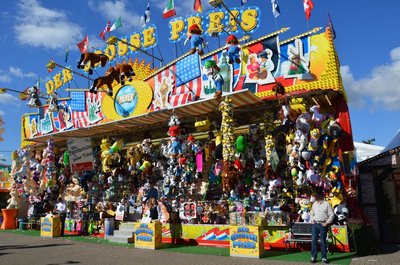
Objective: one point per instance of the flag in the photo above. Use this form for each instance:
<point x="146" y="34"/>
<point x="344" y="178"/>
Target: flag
<point x="198" y="6"/>
<point x="169" y="10"/>
<point x="84" y="44"/>
<point x="330" y="24"/>
<point x="117" y="24"/>
<point x="24" y="95"/>
<point x="308" y="6"/>
<point x="106" y="29"/>
<point x="276" y="11"/>
<point x="242" y="2"/>
<point x="66" y="54"/>
<point x="146" y="16"/>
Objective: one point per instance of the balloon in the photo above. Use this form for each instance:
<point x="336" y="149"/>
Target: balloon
<point x="241" y="144"/>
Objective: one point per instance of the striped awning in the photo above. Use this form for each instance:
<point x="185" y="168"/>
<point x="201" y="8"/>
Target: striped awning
<point x="239" y="99"/>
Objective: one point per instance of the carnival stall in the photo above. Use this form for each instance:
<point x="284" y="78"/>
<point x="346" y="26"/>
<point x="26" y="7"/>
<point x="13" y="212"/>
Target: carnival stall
<point x="242" y="135"/>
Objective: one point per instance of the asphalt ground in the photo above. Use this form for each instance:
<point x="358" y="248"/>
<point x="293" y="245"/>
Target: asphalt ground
<point x="22" y="249"/>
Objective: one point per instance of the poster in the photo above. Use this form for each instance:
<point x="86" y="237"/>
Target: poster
<point x="80" y="154"/>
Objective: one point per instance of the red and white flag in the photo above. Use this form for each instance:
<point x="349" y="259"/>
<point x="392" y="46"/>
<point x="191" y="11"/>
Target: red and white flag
<point x="106" y="29"/>
<point x="308" y="6"/>
<point x="84" y="44"/>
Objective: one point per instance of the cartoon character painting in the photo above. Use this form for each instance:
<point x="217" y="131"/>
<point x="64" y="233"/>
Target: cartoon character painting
<point x="162" y="91"/>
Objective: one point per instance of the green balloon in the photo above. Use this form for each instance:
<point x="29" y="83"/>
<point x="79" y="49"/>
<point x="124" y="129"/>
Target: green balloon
<point x="241" y="144"/>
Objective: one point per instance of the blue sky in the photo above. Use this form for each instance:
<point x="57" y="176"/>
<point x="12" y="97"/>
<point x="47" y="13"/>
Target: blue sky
<point x="368" y="45"/>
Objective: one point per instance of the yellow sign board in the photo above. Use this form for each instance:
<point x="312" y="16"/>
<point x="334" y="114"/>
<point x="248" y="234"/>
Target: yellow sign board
<point x="50" y="227"/>
<point x="246" y="241"/>
<point x="148" y="235"/>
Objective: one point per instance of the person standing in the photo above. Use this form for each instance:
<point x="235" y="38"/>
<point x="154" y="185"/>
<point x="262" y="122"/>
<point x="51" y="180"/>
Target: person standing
<point x="61" y="208"/>
<point x="321" y="215"/>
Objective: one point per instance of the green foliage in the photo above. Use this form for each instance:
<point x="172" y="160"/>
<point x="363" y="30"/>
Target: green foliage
<point x="362" y="237"/>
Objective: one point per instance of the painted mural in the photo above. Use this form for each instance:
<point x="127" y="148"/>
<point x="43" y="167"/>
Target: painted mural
<point x="300" y="64"/>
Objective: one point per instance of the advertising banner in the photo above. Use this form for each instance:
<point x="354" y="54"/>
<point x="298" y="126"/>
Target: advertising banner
<point x="80" y="154"/>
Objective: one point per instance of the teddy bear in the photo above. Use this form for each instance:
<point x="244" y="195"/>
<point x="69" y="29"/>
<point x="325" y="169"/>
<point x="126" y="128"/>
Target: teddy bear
<point x="233" y="49"/>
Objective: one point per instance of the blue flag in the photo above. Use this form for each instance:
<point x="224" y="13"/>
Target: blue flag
<point x="276" y="11"/>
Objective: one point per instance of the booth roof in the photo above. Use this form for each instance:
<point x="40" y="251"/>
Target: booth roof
<point x="190" y="111"/>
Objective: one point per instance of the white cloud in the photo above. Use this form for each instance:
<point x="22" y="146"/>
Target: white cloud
<point x="111" y="10"/>
<point x="18" y="73"/>
<point x="9" y="99"/>
<point x="39" y="26"/>
<point x="381" y="86"/>
<point x="1" y="113"/>
<point x="4" y="77"/>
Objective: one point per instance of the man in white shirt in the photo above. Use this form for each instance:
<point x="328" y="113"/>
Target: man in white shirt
<point x="61" y="209"/>
<point x="322" y="216"/>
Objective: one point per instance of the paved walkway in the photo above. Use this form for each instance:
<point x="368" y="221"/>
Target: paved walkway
<point x="22" y="249"/>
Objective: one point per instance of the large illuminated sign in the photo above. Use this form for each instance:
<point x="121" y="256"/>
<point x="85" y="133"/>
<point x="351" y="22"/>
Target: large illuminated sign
<point x="216" y="22"/>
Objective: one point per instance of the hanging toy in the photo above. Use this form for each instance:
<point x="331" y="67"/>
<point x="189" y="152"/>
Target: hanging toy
<point x="34" y="100"/>
<point x="117" y="145"/>
<point x="94" y="59"/>
<point x="213" y="71"/>
<point x="196" y="40"/>
<point x="233" y="49"/>
<point x="66" y="158"/>
<point x="53" y="106"/>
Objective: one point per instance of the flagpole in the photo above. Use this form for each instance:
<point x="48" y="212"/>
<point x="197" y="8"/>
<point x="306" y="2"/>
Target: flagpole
<point x="52" y="65"/>
<point x="276" y="23"/>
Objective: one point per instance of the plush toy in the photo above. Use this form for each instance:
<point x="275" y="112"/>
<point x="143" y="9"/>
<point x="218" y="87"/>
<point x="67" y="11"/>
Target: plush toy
<point x="93" y="58"/>
<point x="241" y="144"/>
<point x="13" y="201"/>
<point x="213" y="72"/>
<point x="34" y="100"/>
<point x="341" y="215"/>
<point x="305" y="209"/>
<point x="315" y="134"/>
<point x="125" y="70"/>
<point x="117" y="145"/>
<point x="335" y="197"/>
<point x="134" y="154"/>
<point x="196" y="40"/>
<point x="53" y="106"/>
<point x="147" y="146"/>
<point x="332" y="128"/>
<point x="317" y="117"/>
<point x="106" y="80"/>
<point x="233" y="49"/>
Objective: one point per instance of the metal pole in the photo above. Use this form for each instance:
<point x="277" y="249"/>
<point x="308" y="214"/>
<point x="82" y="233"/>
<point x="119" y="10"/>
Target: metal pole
<point x="72" y="71"/>
<point x="139" y="49"/>
<point x="234" y="18"/>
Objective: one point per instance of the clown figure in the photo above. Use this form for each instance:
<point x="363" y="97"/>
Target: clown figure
<point x="213" y="72"/>
<point x="233" y="49"/>
<point x="196" y="40"/>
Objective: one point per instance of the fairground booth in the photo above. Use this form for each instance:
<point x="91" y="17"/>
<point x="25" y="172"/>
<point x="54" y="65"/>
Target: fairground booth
<point x="228" y="147"/>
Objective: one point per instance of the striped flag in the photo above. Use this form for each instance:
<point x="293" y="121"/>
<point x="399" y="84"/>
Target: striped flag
<point x="169" y="10"/>
<point x="107" y="28"/>
<point x="308" y="6"/>
<point x="276" y="11"/>
<point x="198" y="6"/>
<point x="117" y="24"/>
<point x="146" y="16"/>
<point x="66" y="54"/>
<point x="84" y="44"/>
<point x="330" y="24"/>
<point x="80" y="119"/>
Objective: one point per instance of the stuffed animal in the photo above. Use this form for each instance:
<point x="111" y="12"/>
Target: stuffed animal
<point x="53" y="106"/>
<point x="34" y="100"/>
<point x="213" y="71"/>
<point x="315" y="134"/>
<point x="125" y="70"/>
<point x="317" y="117"/>
<point x="341" y="215"/>
<point x="196" y="40"/>
<point x="305" y="209"/>
<point x="335" y="197"/>
<point x="233" y="49"/>
<point x="13" y="201"/>
<point x="93" y="58"/>
<point x="134" y="154"/>
<point x="106" y="80"/>
<point x="147" y="146"/>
